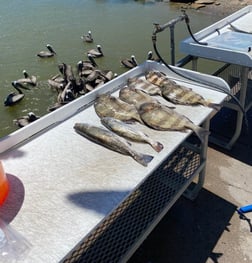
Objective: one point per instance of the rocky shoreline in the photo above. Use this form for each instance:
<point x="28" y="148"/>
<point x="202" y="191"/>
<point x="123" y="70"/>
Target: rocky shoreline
<point x="221" y="8"/>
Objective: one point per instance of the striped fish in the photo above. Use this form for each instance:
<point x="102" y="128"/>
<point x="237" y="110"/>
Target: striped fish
<point x="176" y="93"/>
<point x="135" y="96"/>
<point x="160" y="117"/>
<point x="143" y="84"/>
<point x="109" y="106"/>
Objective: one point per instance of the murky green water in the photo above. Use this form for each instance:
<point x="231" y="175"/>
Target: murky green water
<point x="121" y="27"/>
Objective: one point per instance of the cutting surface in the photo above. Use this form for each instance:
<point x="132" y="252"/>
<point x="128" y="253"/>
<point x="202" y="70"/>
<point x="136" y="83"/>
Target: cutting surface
<point x="228" y="40"/>
<point x="63" y="185"/>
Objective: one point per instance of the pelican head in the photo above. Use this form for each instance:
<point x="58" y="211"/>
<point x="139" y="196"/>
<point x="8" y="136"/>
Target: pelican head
<point x="50" y="48"/>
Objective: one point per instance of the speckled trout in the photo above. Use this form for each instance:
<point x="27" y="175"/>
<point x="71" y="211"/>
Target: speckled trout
<point x="129" y="132"/>
<point x="160" y="117"/>
<point x="176" y="93"/>
<point x="109" y="106"/>
<point x="111" y="141"/>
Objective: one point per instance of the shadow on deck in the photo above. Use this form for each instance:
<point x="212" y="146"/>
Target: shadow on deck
<point x="223" y="128"/>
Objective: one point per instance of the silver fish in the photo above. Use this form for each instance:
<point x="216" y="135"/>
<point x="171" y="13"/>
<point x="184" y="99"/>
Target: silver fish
<point x="135" y="96"/>
<point x="111" y="141"/>
<point x="176" y="93"/>
<point x="162" y="118"/>
<point x="143" y="84"/>
<point x="128" y="132"/>
<point x="109" y="106"/>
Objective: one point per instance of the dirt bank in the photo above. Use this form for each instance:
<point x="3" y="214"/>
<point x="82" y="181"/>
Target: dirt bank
<point x="221" y="8"/>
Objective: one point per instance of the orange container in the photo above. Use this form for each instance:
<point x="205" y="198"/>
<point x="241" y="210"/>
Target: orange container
<point x="4" y="186"/>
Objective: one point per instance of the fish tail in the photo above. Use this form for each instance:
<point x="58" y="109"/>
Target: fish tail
<point x="201" y="133"/>
<point x="157" y="146"/>
<point x="214" y="106"/>
<point x="143" y="159"/>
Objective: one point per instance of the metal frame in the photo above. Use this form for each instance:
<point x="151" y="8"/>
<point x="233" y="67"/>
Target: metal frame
<point x="235" y="58"/>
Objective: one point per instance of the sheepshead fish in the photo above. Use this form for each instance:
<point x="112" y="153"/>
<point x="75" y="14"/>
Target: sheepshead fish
<point x="135" y="96"/>
<point x="143" y="84"/>
<point x="110" y="106"/>
<point x="128" y="132"/>
<point x="176" y="93"/>
<point x="162" y="118"/>
<point x="111" y="141"/>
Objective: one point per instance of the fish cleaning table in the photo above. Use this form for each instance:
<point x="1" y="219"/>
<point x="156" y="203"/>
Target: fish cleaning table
<point x="230" y="41"/>
<point x="76" y="201"/>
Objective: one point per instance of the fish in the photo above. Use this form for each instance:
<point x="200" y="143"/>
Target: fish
<point x="176" y="93"/>
<point x="111" y="141"/>
<point x="143" y="84"/>
<point x="128" y="132"/>
<point x="160" y="117"/>
<point x="110" y="106"/>
<point x="135" y="96"/>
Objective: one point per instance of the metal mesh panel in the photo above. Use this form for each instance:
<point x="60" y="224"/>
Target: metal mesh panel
<point x="231" y="74"/>
<point x="110" y="240"/>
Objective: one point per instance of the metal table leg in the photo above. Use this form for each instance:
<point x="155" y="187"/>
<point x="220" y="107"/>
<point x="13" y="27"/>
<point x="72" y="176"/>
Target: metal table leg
<point x="192" y="193"/>
<point x="240" y="114"/>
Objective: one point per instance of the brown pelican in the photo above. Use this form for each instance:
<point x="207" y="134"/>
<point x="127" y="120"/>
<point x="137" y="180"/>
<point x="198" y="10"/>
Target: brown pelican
<point x="27" y="80"/>
<point x="96" y="53"/>
<point x="88" y="38"/>
<point x="129" y="63"/>
<point x="47" y="54"/>
<point x="13" y="97"/>
<point x="85" y="67"/>
<point x="67" y="71"/>
<point x="150" y="57"/>
<point x="58" y="86"/>
<point x="25" y="120"/>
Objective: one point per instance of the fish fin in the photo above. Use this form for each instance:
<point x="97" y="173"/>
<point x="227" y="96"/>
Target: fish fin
<point x="157" y="146"/>
<point x="201" y="133"/>
<point x="143" y="159"/>
<point x="214" y="106"/>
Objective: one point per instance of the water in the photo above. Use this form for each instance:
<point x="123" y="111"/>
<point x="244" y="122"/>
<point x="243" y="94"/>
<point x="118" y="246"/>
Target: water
<point x="121" y="27"/>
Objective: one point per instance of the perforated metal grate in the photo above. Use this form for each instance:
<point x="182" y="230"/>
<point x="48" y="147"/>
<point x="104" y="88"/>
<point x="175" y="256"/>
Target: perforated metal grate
<point x="231" y="74"/>
<point x="109" y="241"/>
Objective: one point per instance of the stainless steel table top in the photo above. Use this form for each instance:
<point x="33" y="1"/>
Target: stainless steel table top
<point x="225" y="40"/>
<point x="62" y="185"/>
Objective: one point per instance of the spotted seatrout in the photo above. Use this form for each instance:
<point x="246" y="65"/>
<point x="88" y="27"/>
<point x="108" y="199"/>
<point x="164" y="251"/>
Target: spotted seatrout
<point x="128" y="132"/>
<point x="135" y="96"/>
<point x="111" y="141"/>
<point x="160" y="117"/>
<point x="176" y="93"/>
<point x="110" y="106"/>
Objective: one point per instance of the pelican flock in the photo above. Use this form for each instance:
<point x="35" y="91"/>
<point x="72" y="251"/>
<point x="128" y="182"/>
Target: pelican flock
<point x="70" y="82"/>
